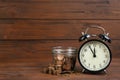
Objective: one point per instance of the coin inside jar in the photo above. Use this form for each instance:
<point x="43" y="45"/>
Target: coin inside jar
<point x="59" y="59"/>
<point x="60" y="56"/>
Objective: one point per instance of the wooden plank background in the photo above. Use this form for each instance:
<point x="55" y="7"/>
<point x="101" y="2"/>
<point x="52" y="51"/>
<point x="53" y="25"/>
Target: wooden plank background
<point x="30" y="28"/>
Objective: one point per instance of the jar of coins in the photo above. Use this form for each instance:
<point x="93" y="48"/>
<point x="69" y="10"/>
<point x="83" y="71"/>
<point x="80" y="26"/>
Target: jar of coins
<point x="65" y="58"/>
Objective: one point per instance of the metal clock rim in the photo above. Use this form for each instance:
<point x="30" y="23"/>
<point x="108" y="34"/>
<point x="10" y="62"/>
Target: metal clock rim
<point x="98" y="41"/>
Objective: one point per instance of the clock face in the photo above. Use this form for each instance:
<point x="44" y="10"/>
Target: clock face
<point x="94" y="55"/>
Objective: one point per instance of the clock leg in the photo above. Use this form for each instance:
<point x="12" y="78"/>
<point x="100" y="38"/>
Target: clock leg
<point x="83" y="70"/>
<point x="105" y="71"/>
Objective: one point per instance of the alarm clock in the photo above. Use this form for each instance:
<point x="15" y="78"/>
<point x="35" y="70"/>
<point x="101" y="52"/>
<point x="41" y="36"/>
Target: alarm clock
<point x="94" y="55"/>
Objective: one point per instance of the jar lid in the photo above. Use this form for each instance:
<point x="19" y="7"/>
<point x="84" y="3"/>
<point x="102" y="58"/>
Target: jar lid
<point x="61" y="49"/>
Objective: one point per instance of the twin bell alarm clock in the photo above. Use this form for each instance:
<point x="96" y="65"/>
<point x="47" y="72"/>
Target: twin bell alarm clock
<point x="94" y="54"/>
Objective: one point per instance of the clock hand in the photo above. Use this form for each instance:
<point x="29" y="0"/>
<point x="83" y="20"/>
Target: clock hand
<point x="94" y="55"/>
<point x="91" y="50"/>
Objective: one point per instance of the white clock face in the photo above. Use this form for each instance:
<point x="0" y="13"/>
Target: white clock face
<point x="94" y="55"/>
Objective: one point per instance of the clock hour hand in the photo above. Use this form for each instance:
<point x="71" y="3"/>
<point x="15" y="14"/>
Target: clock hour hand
<point x="94" y="55"/>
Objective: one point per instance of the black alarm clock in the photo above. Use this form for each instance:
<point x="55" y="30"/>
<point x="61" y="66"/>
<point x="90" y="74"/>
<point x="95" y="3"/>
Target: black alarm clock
<point x="94" y="55"/>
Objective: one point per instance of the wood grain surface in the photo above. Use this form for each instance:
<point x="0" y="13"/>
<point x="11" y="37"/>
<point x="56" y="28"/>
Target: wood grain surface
<point x="34" y="71"/>
<point x="54" y="29"/>
<point x="26" y="50"/>
<point x="30" y="28"/>
<point x="60" y="9"/>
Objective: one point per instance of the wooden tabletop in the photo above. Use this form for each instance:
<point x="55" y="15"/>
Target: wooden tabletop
<point x="33" y="70"/>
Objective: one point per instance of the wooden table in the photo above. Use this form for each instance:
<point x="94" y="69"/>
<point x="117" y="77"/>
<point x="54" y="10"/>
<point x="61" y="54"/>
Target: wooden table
<point x="32" y="70"/>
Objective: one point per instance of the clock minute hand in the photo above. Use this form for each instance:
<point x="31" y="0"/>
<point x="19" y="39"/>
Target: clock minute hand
<point x="93" y="52"/>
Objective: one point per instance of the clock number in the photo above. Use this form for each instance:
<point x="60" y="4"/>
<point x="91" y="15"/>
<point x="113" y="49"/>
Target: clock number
<point x="94" y="66"/>
<point x="94" y="45"/>
<point x="89" y="64"/>
<point x="106" y="56"/>
<point x="104" y="50"/>
<point x="99" y="46"/>
<point x="83" y="55"/>
<point x="85" y="50"/>
<point x="100" y="65"/>
<point x="104" y="61"/>
<point x="84" y="60"/>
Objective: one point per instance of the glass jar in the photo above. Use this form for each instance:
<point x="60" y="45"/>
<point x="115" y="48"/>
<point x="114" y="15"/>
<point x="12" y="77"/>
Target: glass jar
<point x="64" y="57"/>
